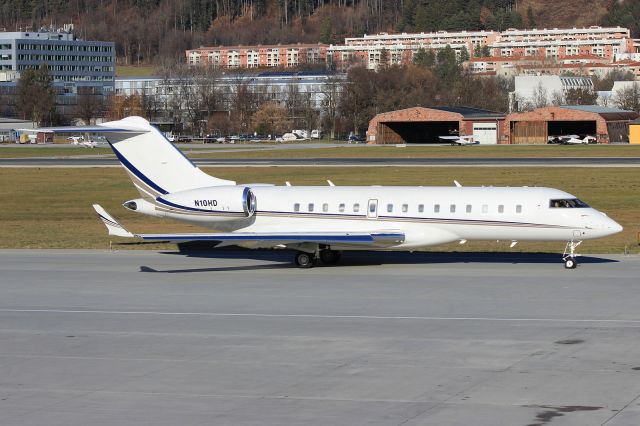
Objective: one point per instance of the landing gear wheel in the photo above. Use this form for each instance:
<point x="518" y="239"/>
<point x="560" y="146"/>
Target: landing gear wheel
<point x="304" y="260"/>
<point x="570" y="263"/>
<point x="329" y="257"/>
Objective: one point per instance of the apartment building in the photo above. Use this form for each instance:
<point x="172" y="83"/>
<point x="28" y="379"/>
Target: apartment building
<point x="400" y="48"/>
<point x="561" y="43"/>
<point x="260" y="56"/>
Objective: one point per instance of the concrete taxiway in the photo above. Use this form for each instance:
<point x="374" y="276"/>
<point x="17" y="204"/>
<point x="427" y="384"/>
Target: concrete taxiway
<point x="103" y="338"/>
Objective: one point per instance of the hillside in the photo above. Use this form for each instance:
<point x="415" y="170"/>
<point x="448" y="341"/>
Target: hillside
<point x="573" y="13"/>
<point x="153" y="31"/>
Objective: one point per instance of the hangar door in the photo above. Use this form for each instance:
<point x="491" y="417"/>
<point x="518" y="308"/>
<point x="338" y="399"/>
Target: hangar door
<point x="485" y="133"/>
<point x="525" y="132"/>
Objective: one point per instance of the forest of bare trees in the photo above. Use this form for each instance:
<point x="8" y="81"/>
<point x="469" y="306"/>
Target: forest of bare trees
<point x="149" y="31"/>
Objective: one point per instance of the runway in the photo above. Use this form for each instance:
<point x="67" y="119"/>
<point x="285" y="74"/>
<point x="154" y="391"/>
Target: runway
<point x="141" y="337"/>
<point x="344" y="162"/>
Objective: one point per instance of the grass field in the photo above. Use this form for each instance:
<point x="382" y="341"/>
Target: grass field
<point x="46" y="151"/>
<point x="377" y="151"/>
<point x="51" y="207"/>
<point x="135" y="70"/>
<point x="238" y="151"/>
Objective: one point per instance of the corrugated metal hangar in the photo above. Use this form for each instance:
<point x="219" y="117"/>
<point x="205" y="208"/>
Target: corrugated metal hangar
<point x="536" y="127"/>
<point x="426" y="125"/>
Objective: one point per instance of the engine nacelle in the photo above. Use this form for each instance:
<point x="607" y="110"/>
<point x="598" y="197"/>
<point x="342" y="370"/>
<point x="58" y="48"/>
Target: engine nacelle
<point x="219" y="202"/>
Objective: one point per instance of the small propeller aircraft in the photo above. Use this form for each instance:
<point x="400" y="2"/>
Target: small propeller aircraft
<point x="460" y="140"/>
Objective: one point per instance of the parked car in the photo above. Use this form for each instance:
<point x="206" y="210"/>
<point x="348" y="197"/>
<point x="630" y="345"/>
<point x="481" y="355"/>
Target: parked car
<point x="356" y="139"/>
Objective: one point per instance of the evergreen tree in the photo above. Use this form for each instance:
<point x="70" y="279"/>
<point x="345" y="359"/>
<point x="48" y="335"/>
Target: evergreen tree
<point x="36" y="96"/>
<point x="424" y="58"/>
<point x="326" y="31"/>
<point x="464" y="55"/>
<point x="531" y="19"/>
<point x="447" y="67"/>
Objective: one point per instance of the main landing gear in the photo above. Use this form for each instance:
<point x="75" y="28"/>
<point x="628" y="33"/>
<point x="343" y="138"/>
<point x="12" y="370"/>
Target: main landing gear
<point x="308" y="260"/>
<point x="569" y="255"/>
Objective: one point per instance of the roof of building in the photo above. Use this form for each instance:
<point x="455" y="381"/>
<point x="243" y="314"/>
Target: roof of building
<point x="468" y="112"/>
<point x="610" y="114"/>
<point x="259" y="46"/>
<point x="594" y="108"/>
<point x="4" y="120"/>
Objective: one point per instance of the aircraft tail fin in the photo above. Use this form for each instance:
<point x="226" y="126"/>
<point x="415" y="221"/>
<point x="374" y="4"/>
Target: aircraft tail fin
<point x="155" y="166"/>
<point x="113" y="226"/>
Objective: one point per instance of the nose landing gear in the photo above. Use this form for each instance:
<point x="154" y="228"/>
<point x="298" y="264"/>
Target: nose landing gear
<point x="569" y="255"/>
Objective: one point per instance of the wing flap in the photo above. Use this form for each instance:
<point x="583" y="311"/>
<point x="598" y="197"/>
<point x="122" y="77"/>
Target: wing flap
<point x="375" y="239"/>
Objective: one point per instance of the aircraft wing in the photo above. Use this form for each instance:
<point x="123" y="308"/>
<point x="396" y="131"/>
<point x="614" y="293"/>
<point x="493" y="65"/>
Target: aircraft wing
<point x="262" y="239"/>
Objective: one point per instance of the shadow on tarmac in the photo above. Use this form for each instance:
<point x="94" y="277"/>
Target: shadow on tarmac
<point x="284" y="259"/>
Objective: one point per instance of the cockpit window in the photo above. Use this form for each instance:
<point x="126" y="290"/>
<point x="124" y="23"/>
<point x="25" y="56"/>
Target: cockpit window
<point x="568" y="203"/>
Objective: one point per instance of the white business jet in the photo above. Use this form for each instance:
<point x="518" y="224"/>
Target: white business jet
<point x="321" y="221"/>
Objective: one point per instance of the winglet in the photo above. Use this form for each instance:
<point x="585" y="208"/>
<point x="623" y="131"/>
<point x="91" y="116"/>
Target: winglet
<point x="112" y="225"/>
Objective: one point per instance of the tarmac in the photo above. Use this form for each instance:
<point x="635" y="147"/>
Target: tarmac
<point x="244" y="338"/>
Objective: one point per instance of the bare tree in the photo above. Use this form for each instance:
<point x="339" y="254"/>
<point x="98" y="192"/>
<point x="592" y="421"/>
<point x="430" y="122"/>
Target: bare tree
<point x="557" y="98"/>
<point x="89" y="105"/>
<point x="540" y="97"/>
<point x="330" y="97"/>
<point x="628" y="98"/>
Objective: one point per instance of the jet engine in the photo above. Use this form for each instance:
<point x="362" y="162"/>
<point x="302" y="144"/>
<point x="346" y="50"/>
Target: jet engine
<point x="213" y="205"/>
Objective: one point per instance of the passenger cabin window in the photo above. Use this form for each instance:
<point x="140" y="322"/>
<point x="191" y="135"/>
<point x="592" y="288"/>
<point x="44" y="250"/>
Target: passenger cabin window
<point x="569" y="203"/>
<point x="389" y="208"/>
<point x="310" y="207"/>
<point x="420" y="208"/>
<point x="485" y="208"/>
<point x="452" y="208"/>
<point x="405" y="208"/>
<point x="468" y="208"/>
<point x="501" y="208"/>
<point x="325" y="207"/>
<point x="341" y="208"/>
<point x="296" y="207"/>
<point x="436" y="208"/>
<point x="518" y="208"/>
<point x="356" y="207"/>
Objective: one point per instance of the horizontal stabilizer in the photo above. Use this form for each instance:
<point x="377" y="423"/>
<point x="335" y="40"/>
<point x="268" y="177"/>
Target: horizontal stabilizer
<point x="112" y="225"/>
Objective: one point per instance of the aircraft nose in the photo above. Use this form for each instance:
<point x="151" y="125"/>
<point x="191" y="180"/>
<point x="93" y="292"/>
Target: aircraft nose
<point x="614" y="226"/>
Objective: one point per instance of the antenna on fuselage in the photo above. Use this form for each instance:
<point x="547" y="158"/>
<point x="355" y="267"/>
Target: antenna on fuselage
<point x="457" y="184"/>
<point x="330" y="183"/>
<point x="286" y="182"/>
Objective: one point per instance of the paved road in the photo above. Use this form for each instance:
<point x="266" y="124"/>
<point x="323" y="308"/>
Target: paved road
<point x="345" y="162"/>
<point x="104" y="338"/>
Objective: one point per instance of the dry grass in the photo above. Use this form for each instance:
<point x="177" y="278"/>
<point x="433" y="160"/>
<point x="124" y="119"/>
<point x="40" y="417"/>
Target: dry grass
<point x="48" y="151"/>
<point x="503" y="151"/>
<point x="135" y="71"/>
<point x="51" y="208"/>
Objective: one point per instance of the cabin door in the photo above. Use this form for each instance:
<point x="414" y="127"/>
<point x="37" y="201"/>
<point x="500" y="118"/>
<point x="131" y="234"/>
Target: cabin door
<point x="372" y="209"/>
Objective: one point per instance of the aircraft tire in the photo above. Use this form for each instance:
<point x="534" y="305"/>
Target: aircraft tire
<point x="329" y="257"/>
<point x="304" y="260"/>
<point x="570" y="263"/>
